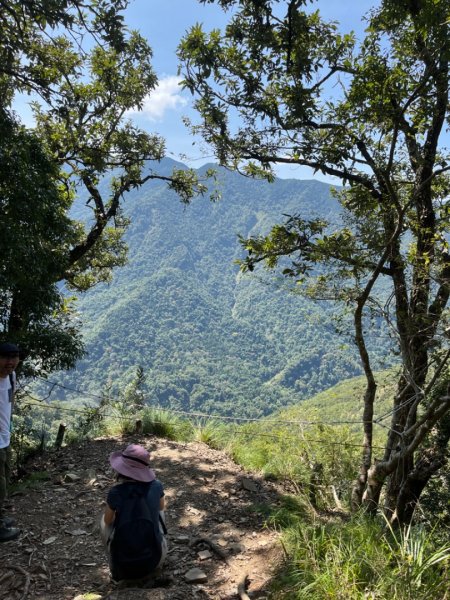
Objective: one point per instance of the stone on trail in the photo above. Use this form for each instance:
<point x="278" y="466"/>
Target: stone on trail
<point x="249" y="485"/>
<point x="237" y="548"/>
<point x="71" y="477"/>
<point x="49" y="540"/>
<point x="196" y="576"/>
<point x="182" y="539"/>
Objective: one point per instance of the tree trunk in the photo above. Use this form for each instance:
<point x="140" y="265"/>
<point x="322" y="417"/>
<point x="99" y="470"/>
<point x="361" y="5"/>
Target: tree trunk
<point x="431" y="460"/>
<point x="415" y="483"/>
<point x="409" y="395"/>
<point x="359" y="484"/>
<point x="375" y="481"/>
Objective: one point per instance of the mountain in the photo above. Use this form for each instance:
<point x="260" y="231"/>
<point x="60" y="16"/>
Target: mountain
<point x="209" y="338"/>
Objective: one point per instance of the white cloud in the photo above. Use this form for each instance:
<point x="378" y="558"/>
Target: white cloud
<point x="166" y="96"/>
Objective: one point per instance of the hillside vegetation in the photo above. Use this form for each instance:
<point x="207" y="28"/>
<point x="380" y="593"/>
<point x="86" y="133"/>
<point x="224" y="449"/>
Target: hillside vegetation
<point x="209" y="338"/>
<point x="288" y="444"/>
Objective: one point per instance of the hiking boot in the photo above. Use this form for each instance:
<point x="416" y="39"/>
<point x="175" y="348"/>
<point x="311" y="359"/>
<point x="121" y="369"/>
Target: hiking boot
<point x="8" y="533"/>
<point x="7" y="521"/>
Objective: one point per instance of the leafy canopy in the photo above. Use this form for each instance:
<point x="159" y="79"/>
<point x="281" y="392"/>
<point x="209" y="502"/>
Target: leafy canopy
<point x="281" y="85"/>
<point x="83" y="70"/>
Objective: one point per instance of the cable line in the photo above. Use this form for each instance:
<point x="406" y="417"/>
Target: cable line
<point x="218" y="417"/>
<point x="253" y="434"/>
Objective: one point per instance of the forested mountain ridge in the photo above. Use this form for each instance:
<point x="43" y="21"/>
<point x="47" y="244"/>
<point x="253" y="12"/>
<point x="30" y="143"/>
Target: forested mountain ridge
<point x="208" y="337"/>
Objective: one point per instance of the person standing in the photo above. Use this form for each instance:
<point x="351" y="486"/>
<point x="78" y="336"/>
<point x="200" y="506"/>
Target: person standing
<point x="9" y="359"/>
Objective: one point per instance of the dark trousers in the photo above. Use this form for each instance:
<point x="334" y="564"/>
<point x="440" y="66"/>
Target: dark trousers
<point x="5" y="470"/>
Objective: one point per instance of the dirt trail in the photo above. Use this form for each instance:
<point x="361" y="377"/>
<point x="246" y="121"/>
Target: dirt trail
<point x="59" y="555"/>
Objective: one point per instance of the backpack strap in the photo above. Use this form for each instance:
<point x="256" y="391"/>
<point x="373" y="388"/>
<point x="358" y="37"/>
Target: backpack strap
<point x="11" y="381"/>
<point x="11" y="392"/>
<point x="163" y="525"/>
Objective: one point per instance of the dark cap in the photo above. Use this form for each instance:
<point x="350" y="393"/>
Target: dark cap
<point x="8" y="349"/>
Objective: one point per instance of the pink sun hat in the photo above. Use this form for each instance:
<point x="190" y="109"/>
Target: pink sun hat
<point x="133" y="462"/>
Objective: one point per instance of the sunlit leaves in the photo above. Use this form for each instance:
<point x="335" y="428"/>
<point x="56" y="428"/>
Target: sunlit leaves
<point x="85" y="71"/>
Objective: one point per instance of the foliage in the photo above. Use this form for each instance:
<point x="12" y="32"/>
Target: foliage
<point x="208" y="339"/>
<point x="32" y="481"/>
<point x="90" y="422"/>
<point x="416" y="555"/>
<point x="135" y="392"/>
<point x="357" y="560"/>
<point x="35" y="234"/>
<point x="213" y="432"/>
<point x="280" y="84"/>
<point x="113" y="414"/>
<point x="36" y="423"/>
<point x="83" y="71"/>
<point x="165" y="424"/>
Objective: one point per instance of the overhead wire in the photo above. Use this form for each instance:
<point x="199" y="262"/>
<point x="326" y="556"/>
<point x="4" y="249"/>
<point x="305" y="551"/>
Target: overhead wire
<point x="253" y="434"/>
<point x="217" y="416"/>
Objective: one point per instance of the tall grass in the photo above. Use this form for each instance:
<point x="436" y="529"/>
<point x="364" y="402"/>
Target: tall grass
<point x="360" y="560"/>
<point x="214" y="433"/>
<point x="165" y="424"/>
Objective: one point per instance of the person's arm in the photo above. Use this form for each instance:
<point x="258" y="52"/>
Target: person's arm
<point x="109" y="516"/>
<point x="162" y="503"/>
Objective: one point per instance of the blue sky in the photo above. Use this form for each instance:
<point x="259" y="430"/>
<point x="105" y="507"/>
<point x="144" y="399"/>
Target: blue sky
<point x="163" y="23"/>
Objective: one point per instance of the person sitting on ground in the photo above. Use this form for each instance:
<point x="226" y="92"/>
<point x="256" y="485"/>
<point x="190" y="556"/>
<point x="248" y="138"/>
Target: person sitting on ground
<point x="9" y="359"/>
<point x="133" y="525"/>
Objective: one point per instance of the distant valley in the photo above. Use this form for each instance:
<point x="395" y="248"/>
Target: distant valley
<point x="209" y="338"/>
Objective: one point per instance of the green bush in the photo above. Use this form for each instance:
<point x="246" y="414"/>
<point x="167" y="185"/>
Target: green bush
<point x="166" y="424"/>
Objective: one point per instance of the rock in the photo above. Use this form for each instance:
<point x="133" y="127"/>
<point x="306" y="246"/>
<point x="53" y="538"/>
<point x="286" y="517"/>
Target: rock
<point x="237" y="548"/>
<point x="88" y="596"/>
<point x="249" y="485"/>
<point x="49" y="540"/>
<point x="204" y="554"/>
<point x="196" y="576"/>
<point x="182" y="539"/>
<point x="193" y="510"/>
<point x="76" y="532"/>
<point x="71" y="477"/>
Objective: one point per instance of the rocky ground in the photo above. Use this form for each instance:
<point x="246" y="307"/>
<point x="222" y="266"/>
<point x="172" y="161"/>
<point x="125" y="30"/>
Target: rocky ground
<point x="217" y="536"/>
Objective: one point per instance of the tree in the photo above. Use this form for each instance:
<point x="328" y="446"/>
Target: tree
<point x="84" y="71"/>
<point x="35" y="233"/>
<point x="280" y="85"/>
<point x="134" y="395"/>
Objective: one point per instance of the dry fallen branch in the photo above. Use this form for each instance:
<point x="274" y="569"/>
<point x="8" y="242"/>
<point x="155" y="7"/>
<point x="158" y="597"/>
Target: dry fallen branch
<point x="336" y="498"/>
<point x="242" y="586"/>
<point x="81" y="493"/>
<point x="6" y="576"/>
<point x="26" y="575"/>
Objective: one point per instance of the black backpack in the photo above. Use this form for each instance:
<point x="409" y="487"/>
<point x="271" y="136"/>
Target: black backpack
<point x="135" y="549"/>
